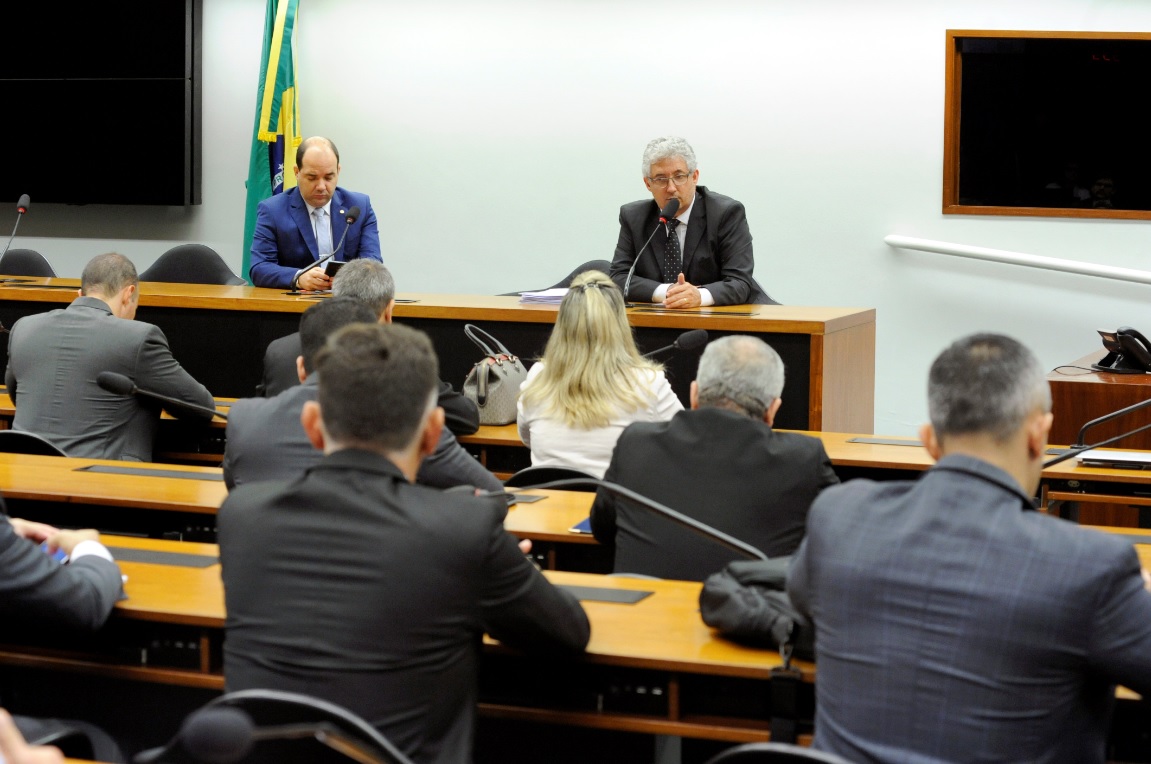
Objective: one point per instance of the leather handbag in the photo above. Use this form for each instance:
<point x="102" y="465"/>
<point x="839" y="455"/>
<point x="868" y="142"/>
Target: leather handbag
<point x="493" y="384"/>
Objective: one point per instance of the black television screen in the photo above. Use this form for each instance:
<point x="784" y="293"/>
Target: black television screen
<point x="102" y="103"/>
<point x="1053" y="122"/>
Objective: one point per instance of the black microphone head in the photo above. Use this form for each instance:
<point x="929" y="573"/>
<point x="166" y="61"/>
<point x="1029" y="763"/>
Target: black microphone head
<point x="669" y="210"/>
<point x="23" y="204"/>
<point x="115" y="383"/>
<point x="218" y="735"/>
<point x="353" y="215"/>
<point x="696" y="338"/>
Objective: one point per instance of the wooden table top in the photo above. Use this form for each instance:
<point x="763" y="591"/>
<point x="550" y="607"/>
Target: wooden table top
<point x="662" y="631"/>
<point x="787" y="319"/>
<point x="551" y="519"/>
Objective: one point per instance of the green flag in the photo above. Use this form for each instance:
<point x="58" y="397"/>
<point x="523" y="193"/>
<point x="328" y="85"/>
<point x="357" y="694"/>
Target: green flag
<point x="276" y="134"/>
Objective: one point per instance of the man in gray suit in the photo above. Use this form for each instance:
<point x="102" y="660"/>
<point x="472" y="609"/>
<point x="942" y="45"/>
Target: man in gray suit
<point x="54" y="358"/>
<point x="953" y="622"/>
<point x="266" y="441"/>
<point x="38" y="593"/>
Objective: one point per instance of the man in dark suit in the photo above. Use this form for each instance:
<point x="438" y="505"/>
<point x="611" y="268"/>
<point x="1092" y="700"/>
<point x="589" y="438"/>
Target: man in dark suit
<point x="266" y="441"/>
<point x="38" y="593"/>
<point x="720" y="463"/>
<point x="55" y="357"/>
<point x="953" y="622"/>
<point x="296" y="228"/>
<point x="372" y="284"/>
<point x="354" y="585"/>
<point x="706" y="259"/>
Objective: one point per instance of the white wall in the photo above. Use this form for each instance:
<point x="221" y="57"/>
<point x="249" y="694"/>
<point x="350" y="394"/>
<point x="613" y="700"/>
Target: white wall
<point x="498" y="139"/>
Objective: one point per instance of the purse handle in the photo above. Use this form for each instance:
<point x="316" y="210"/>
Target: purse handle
<point x="486" y="342"/>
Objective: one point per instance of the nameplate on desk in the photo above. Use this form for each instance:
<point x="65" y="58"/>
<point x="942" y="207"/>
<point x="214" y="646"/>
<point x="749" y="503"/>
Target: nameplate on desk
<point x="600" y="594"/>
<point x="151" y="472"/>
<point x="179" y="559"/>
<point x="886" y="441"/>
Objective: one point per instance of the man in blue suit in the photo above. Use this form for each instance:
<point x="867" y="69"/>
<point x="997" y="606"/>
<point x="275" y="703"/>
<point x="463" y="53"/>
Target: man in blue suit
<point x="952" y="621"/>
<point x="296" y="228"/>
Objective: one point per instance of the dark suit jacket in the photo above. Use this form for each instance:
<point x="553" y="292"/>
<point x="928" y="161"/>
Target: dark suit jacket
<point x="955" y="624"/>
<point x="719" y="467"/>
<point x="36" y="591"/>
<point x="53" y="360"/>
<point x="284" y="242"/>
<point x="460" y="414"/>
<point x="717" y="254"/>
<point x="356" y="586"/>
<point x="265" y="441"/>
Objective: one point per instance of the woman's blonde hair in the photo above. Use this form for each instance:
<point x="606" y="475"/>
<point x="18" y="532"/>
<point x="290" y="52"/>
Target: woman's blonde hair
<point x="591" y="358"/>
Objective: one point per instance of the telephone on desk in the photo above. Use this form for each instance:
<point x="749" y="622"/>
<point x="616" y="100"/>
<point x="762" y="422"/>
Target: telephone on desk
<point x="1128" y="352"/>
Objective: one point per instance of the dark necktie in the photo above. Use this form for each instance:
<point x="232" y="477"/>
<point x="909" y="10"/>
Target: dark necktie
<point x="672" y="261"/>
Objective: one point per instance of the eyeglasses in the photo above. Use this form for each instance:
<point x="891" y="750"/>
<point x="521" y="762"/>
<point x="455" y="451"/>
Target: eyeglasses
<point x="679" y="179"/>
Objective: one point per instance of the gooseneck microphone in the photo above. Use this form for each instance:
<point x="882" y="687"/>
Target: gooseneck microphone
<point x="692" y="340"/>
<point x="21" y="207"/>
<point x="666" y="214"/>
<point x="118" y="384"/>
<point x="350" y="217"/>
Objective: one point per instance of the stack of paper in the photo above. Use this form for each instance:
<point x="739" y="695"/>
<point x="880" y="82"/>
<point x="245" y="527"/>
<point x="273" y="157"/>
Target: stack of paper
<point x="546" y="297"/>
<point x="1104" y="457"/>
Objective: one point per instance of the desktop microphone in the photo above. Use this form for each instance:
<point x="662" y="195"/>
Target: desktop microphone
<point x="692" y="340"/>
<point x="350" y="217"/>
<point x="666" y="214"/>
<point x="118" y="384"/>
<point x="21" y="208"/>
<point x="693" y="525"/>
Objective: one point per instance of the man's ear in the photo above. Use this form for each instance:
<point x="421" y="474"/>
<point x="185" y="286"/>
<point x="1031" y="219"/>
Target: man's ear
<point x="1038" y="430"/>
<point x="930" y="442"/>
<point x="693" y="396"/>
<point x="313" y="424"/>
<point x="433" y="428"/>
<point x="769" y="415"/>
<point x="386" y="318"/>
<point x="301" y="372"/>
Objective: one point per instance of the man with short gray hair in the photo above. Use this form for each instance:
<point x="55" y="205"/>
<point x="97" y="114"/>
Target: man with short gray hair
<point x="720" y="463"/>
<point x="953" y="622"/>
<point x="700" y="257"/>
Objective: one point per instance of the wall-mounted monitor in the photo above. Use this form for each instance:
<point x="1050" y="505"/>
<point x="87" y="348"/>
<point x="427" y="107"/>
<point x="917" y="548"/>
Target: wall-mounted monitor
<point x="1047" y="123"/>
<point x="102" y="102"/>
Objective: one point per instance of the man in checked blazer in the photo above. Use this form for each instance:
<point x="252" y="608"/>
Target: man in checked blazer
<point x="952" y="621"/>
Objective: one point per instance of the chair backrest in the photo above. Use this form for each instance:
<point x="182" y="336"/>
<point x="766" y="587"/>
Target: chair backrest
<point x="191" y="264"/>
<point x="21" y="442"/>
<point x="25" y="262"/>
<point x="590" y="265"/>
<point x="530" y="476"/>
<point x="285" y="721"/>
<point x="775" y="753"/>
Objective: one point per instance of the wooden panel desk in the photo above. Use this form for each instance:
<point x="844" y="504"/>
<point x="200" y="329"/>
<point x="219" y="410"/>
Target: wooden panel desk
<point x="698" y="685"/>
<point x="219" y="334"/>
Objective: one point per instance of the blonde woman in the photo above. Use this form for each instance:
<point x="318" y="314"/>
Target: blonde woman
<point x="591" y="383"/>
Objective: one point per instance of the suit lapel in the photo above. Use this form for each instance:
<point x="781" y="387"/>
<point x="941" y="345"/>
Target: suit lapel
<point x="696" y="229"/>
<point x="303" y="220"/>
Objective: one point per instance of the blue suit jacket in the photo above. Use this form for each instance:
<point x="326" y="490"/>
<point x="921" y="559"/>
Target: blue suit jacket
<point x="284" y="242"/>
<point x="953" y="623"/>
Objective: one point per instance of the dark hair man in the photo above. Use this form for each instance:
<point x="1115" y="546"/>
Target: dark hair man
<point x="298" y="227"/>
<point x="54" y="358"/>
<point x="720" y="463"/>
<point x="353" y="584"/>
<point x="954" y="623"/>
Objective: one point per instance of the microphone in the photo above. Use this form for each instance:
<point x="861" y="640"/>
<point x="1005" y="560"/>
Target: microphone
<point x="693" y="525"/>
<point x="21" y="207"/>
<point x="118" y="384"/>
<point x="666" y="214"/>
<point x="352" y="216"/>
<point x="692" y="340"/>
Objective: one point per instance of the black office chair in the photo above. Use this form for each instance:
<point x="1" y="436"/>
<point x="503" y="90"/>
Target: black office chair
<point x="590" y="265"/>
<point x="530" y="476"/>
<point x="25" y="262"/>
<point x="21" y="442"/>
<point x="273" y="727"/>
<point x="191" y="264"/>
<point x="775" y="753"/>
